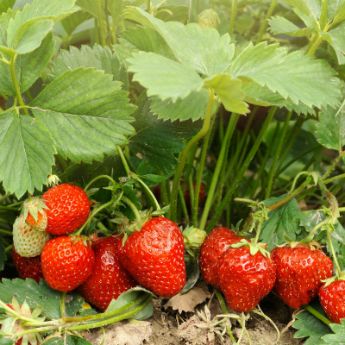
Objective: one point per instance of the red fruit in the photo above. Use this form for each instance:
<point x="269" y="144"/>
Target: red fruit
<point x="245" y="279"/>
<point x="27" y="267"/>
<point x="215" y="245"/>
<point x="108" y="279"/>
<point x="332" y="299"/>
<point x="154" y="256"/>
<point x="300" y="272"/>
<point x="67" y="262"/>
<point x="68" y="208"/>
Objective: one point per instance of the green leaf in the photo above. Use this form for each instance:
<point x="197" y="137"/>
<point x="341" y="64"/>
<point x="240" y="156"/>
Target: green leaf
<point x="308" y="326"/>
<point x="282" y="225"/>
<point x="336" y="38"/>
<point x="294" y="76"/>
<point x="6" y="4"/>
<point x="5" y="341"/>
<point x="230" y="92"/>
<point x="280" y="25"/>
<point x="193" y="107"/>
<point x="86" y="113"/>
<point x="96" y="56"/>
<point x="330" y="130"/>
<point x="308" y="10"/>
<point x="127" y="298"/>
<point x="37" y="295"/>
<point x="71" y="22"/>
<point x="338" y="337"/>
<point x="164" y="77"/>
<point x="202" y="49"/>
<point x="31" y="24"/>
<point x="28" y="153"/>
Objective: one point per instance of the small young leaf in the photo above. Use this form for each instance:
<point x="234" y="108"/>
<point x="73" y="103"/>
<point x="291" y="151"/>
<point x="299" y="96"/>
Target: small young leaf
<point x="164" y="77"/>
<point x="230" y="92"/>
<point x="28" y="153"/>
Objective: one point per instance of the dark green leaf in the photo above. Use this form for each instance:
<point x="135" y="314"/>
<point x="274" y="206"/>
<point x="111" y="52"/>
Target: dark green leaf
<point x="2" y="257"/>
<point x="282" y="225"/>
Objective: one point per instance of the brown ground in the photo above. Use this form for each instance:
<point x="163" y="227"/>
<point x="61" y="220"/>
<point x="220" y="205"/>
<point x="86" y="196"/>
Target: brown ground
<point x="171" y="325"/>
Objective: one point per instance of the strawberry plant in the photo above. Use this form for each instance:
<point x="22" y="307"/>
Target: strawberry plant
<point x="152" y="150"/>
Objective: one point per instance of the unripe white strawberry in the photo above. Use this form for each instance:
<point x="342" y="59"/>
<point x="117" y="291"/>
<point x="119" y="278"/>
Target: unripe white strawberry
<point x="28" y="241"/>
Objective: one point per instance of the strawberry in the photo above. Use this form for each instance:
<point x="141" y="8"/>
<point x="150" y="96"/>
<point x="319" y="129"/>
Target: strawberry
<point x="27" y="267"/>
<point x="68" y="208"/>
<point x="300" y="271"/>
<point x="244" y="278"/>
<point x="28" y="241"/>
<point x="215" y="245"/>
<point x="154" y="256"/>
<point x="67" y="262"/>
<point x="108" y="279"/>
<point x="332" y="299"/>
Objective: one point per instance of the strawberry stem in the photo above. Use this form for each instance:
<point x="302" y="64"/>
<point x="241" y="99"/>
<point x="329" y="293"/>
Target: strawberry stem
<point x="133" y="208"/>
<point x="100" y="177"/>
<point x="334" y="256"/>
<point x="225" y="310"/>
<point x="317" y="314"/>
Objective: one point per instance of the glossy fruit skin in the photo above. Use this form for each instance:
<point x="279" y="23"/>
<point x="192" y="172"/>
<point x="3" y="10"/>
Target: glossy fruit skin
<point x="300" y="272"/>
<point x="108" y="279"/>
<point x="68" y="208"/>
<point x="27" y="267"/>
<point x="332" y="299"/>
<point x="245" y="279"/>
<point x="215" y="245"/>
<point x="154" y="256"/>
<point x="67" y="262"/>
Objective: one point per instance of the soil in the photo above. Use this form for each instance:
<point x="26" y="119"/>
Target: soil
<point x="170" y="325"/>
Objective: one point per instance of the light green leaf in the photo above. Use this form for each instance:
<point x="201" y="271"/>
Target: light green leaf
<point x="86" y="113"/>
<point x="69" y="340"/>
<point x="336" y="38"/>
<point x="330" y="130"/>
<point x="31" y="24"/>
<point x="337" y="10"/>
<point x="98" y="57"/>
<point x="308" y="10"/>
<point x="71" y="22"/>
<point x="27" y="153"/>
<point x="310" y="328"/>
<point x="164" y="77"/>
<point x="339" y="334"/>
<point x="192" y="107"/>
<point x="280" y="25"/>
<point x="294" y="76"/>
<point x="203" y="49"/>
<point x="6" y="4"/>
<point x="230" y="92"/>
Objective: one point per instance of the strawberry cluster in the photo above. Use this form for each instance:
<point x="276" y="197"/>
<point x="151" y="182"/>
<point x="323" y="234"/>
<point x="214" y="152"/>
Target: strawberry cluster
<point x="295" y="273"/>
<point x="46" y="246"/>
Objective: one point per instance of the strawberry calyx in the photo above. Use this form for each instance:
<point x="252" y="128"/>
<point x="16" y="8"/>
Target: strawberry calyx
<point x="53" y="180"/>
<point x="312" y="245"/>
<point x="34" y="212"/>
<point x="331" y="280"/>
<point x="254" y="247"/>
<point x="193" y="237"/>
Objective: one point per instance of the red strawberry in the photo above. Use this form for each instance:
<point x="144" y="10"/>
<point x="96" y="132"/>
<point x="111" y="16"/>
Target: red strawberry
<point x="332" y="299"/>
<point x="215" y="245"/>
<point x="68" y="208"/>
<point x="154" y="256"/>
<point x="300" y="271"/>
<point x="67" y="262"/>
<point x="27" y="267"/>
<point x="108" y="279"/>
<point x="245" y="279"/>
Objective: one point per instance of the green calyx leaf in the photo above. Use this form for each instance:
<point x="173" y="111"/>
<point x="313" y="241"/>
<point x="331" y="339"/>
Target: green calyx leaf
<point x="194" y="237"/>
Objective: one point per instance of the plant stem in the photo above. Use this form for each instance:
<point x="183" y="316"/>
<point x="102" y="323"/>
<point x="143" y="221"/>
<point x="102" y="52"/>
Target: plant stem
<point x="220" y="162"/>
<point x="133" y="208"/>
<point x="242" y="170"/>
<point x="334" y="164"/>
<point x="100" y="177"/>
<point x="314" y="45"/>
<point x="234" y="10"/>
<point x="16" y="83"/>
<point x="184" y="206"/>
<point x="124" y="161"/>
<point x="317" y="314"/>
<point x="334" y="178"/>
<point x="225" y="310"/>
<point x="335" y="258"/>
<point x="264" y="22"/>
<point x="184" y="154"/>
<point x="6" y="232"/>
<point x="277" y="155"/>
